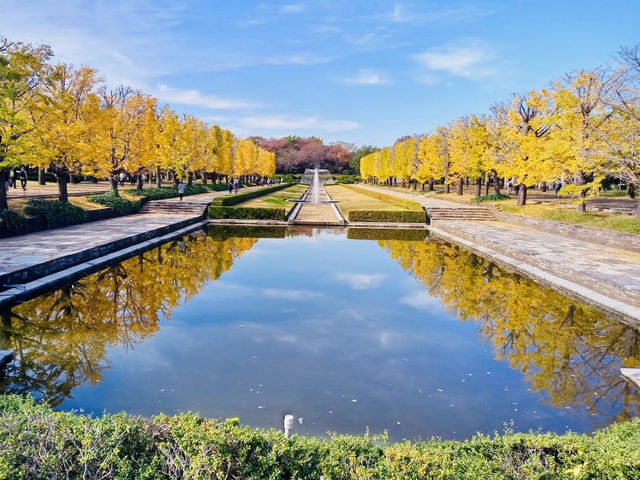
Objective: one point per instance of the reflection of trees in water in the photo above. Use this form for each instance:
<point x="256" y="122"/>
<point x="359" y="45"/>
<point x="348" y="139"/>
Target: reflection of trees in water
<point x="60" y="339"/>
<point x="568" y="351"/>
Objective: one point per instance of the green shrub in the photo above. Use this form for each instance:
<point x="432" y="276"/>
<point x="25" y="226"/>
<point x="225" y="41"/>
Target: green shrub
<point x="162" y="193"/>
<point x="246" y="213"/>
<point x="494" y="197"/>
<point x="55" y="213"/>
<point x="121" y="206"/>
<point x="396" y="216"/>
<point x="37" y="442"/>
<point x="12" y="222"/>
<point x="393" y="200"/>
<point x="230" y="200"/>
<point x="347" y="179"/>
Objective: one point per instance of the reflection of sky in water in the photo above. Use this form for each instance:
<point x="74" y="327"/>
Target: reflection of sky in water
<point x="333" y="331"/>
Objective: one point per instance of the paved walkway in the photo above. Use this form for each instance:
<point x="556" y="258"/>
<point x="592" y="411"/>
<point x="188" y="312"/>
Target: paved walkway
<point x="318" y="213"/>
<point x="26" y="251"/>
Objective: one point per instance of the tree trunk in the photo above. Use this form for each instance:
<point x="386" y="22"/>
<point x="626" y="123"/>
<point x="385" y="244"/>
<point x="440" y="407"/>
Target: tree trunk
<point x="543" y="186"/>
<point x="114" y="184"/>
<point x="63" y="195"/>
<point x="631" y="190"/>
<point x="522" y="195"/>
<point x="4" y="179"/>
<point x="158" y="177"/>
<point x="496" y="182"/>
<point x="638" y="210"/>
<point x="41" y="176"/>
<point x="189" y="179"/>
<point x="139" y="181"/>
<point x="486" y="185"/>
<point x="478" y="187"/>
<point x="582" y="206"/>
<point x="447" y="188"/>
<point x="204" y="178"/>
<point x="431" y="185"/>
<point x="460" y="186"/>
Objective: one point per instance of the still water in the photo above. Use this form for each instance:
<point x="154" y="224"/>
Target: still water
<point x="345" y="332"/>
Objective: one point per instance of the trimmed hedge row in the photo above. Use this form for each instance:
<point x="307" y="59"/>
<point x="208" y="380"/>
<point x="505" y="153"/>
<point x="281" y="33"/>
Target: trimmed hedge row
<point x="230" y="200"/>
<point x="395" y="216"/>
<point x="246" y="213"/>
<point x="120" y="205"/>
<point x="36" y="442"/>
<point x="172" y="192"/>
<point x="398" y="202"/>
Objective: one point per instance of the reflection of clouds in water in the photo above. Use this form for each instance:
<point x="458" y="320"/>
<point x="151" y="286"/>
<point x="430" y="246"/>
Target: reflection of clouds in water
<point x="286" y="294"/>
<point x="361" y="281"/>
<point x="422" y="300"/>
<point x="338" y="332"/>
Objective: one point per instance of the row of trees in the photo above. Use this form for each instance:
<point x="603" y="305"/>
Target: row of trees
<point x="57" y="117"/>
<point x="580" y="130"/>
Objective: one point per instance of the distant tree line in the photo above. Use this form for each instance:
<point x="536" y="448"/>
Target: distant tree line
<point x="295" y="154"/>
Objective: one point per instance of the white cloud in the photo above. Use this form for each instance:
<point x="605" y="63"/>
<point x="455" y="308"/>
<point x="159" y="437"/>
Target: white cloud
<point x="292" y="8"/>
<point x="361" y="281"/>
<point x="298" y="59"/>
<point x="285" y="294"/>
<point x="421" y="299"/>
<point x="289" y="122"/>
<point x="367" y="77"/>
<point x="471" y="58"/>
<point x="195" y="97"/>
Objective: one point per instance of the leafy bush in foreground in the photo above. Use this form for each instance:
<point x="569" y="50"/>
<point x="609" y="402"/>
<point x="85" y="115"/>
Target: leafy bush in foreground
<point x="12" y="222"/>
<point x="55" y="213"/>
<point x="36" y="442"/>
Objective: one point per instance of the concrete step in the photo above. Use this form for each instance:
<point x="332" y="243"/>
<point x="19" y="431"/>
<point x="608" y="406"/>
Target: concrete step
<point x="461" y="213"/>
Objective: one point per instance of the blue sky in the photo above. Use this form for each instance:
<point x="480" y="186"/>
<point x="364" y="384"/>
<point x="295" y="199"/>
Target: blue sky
<point x="365" y="72"/>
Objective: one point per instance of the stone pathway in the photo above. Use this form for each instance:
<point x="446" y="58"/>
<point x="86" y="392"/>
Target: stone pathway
<point x="319" y="213"/>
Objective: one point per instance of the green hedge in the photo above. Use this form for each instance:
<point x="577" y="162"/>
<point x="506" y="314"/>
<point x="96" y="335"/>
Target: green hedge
<point x="172" y="192"/>
<point x="230" y="200"/>
<point x="37" y="442"/>
<point x="246" y="213"/>
<point x="398" y="202"/>
<point x="121" y="206"/>
<point x="395" y="216"/>
<point x="55" y="213"/>
<point x="12" y="222"/>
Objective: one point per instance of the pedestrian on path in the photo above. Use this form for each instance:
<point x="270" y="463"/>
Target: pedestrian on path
<point x="12" y="178"/>
<point x="230" y="184"/>
<point x="558" y="186"/>
<point x="181" y="190"/>
<point x="23" y="179"/>
<point x="236" y="186"/>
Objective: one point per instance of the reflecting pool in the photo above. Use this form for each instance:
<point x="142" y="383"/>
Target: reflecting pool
<point x="346" y="330"/>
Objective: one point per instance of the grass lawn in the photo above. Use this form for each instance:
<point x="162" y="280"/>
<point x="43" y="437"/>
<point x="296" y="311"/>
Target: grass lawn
<point x="277" y="199"/>
<point x="349" y="199"/>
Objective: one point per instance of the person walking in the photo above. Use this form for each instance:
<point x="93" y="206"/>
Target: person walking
<point x="557" y="187"/>
<point x="12" y="178"/>
<point x="230" y="185"/>
<point x="23" y="178"/>
<point x="181" y="190"/>
<point x="236" y="186"/>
